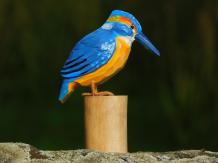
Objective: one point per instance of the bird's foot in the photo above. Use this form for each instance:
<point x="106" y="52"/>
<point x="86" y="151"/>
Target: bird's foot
<point x="103" y="93"/>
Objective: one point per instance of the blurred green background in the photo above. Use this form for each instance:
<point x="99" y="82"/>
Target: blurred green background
<point x="173" y="99"/>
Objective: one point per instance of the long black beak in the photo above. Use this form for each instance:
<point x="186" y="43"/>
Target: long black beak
<point x="140" y="37"/>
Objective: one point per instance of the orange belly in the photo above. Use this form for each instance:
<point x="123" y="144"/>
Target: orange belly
<point x="114" y="65"/>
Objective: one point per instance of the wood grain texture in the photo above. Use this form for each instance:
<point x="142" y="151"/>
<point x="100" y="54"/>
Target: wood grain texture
<point x="106" y="123"/>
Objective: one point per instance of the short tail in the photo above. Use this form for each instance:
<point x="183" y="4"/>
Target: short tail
<point x="67" y="88"/>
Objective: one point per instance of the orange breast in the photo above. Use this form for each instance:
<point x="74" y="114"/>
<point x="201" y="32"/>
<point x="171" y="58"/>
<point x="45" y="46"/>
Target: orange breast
<point x="115" y="64"/>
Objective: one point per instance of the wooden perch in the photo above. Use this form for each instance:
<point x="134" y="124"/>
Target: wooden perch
<point x="106" y="123"/>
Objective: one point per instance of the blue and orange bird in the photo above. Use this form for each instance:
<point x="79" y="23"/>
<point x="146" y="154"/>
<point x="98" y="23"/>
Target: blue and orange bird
<point x="102" y="53"/>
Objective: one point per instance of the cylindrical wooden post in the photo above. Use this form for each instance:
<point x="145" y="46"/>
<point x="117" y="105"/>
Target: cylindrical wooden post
<point x="106" y="123"/>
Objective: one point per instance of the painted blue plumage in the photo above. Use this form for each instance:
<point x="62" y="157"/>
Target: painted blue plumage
<point x="95" y="49"/>
<point x="89" y="54"/>
<point x="64" y="88"/>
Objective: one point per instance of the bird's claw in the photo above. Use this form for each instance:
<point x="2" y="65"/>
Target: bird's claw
<point x="103" y="93"/>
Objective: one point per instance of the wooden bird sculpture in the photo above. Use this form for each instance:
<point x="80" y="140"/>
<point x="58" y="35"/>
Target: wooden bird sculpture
<point x="102" y="53"/>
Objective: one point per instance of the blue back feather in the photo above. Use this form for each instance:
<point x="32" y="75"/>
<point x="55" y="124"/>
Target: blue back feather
<point x="89" y="54"/>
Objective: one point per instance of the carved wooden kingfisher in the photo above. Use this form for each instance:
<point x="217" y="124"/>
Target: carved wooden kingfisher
<point x="102" y="53"/>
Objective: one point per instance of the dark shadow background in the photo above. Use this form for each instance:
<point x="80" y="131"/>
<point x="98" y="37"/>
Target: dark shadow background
<point x="173" y="99"/>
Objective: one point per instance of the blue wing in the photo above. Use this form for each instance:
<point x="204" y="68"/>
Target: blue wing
<point x="89" y="54"/>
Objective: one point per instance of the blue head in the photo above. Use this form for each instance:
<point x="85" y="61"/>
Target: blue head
<point x="125" y="24"/>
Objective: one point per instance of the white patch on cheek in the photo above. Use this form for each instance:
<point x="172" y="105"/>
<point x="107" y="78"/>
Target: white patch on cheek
<point x="128" y="39"/>
<point x="107" y="26"/>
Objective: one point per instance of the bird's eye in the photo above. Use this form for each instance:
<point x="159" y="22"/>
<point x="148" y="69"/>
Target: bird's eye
<point x="132" y="26"/>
